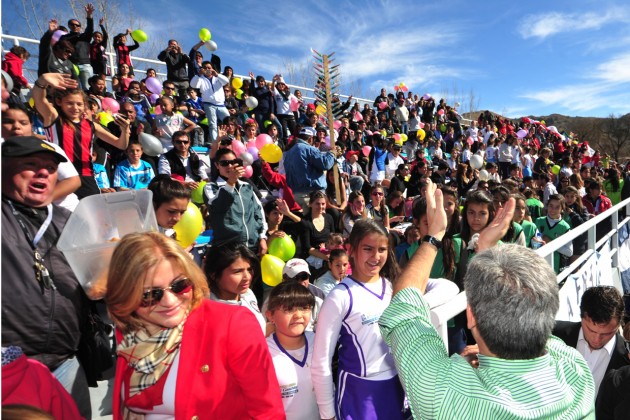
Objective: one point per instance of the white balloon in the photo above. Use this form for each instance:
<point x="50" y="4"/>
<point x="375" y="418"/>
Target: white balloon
<point x="251" y="102"/>
<point x="483" y="175"/>
<point x="151" y="145"/>
<point x="247" y="158"/>
<point x="476" y="161"/>
<point x="211" y="45"/>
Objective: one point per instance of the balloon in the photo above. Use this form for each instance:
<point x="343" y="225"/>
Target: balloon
<point x="470" y="140"/>
<point x="105" y="118"/>
<point x="151" y="145"/>
<point x="405" y="89"/>
<point x="521" y="133"/>
<point x="197" y="194"/>
<point x="204" y="121"/>
<point x="404" y="137"/>
<point x="443" y="128"/>
<point x="282" y="247"/>
<point x="157" y="110"/>
<point x="76" y="69"/>
<point x="262" y="140"/>
<point x="249" y="171"/>
<point x="139" y="35"/>
<point x="476" y="161"/>
<point x="421" y="134"/>
<point x="267" y="123"/>
<point x="205" y="34"/>
<point x="320" y="110"/>
<point x="239" y="94"/>
<point x="440" y="112"/>
<point x="382" y="105"/>
<point x="110" y="104"/>
<point x="153" y="98"/>
<point x="396" y="88"/>
<point x="383" y="133"/>
<point x="31" y="102"/>
<point x="154" y="85"/>
<point x="294" y="104"/>
<point x="426" y="96"/>
<point x="555" y="169"/>
<point x="366" y="150"/>
<point x="247" y="158"/>
<point x="396" y="137"/>
<point x="271" y="153"/>
<point x="237" y="83"/>
<point x="238" y="147"/>
<point x="251" y="102"/>
<point x="271" y="268"/>
<point x="483" y="175"/>
<point x="189" y="226"/>
<point x="358" y="116"/>
<point x="211" y="45"/>
<point x="337" y="124"/>
<point x="252" y="150"/>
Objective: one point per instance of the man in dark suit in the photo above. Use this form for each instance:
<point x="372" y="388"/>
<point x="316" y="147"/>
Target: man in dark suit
<point x="597" y="336"/>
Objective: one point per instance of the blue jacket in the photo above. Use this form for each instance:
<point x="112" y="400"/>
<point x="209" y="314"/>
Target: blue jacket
<point x="304" y="166"/>
<point x="235" y="213"/>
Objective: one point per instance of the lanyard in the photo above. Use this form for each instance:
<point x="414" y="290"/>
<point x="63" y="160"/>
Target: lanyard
<point x="42" y="229"/>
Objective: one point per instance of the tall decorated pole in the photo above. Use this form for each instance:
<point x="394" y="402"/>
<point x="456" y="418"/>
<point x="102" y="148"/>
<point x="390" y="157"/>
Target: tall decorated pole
<point x="324" y="91"/>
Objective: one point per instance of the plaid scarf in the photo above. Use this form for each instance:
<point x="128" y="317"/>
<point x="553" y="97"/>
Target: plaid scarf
<point x="149" y="355"/>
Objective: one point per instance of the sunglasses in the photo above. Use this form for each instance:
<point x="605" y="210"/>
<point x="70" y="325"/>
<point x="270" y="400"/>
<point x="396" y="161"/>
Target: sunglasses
<point x="169" y="88"/>
<point x="154" y="295"/>
<point x="226" y="163"/>
<point x="181" y="141"/>
<point x="302" y="276"/>
<point x="377" y="193"/>
<point x="68" y="51"/>
<point x="226" y="142"/>
<point x="75" y="25"/>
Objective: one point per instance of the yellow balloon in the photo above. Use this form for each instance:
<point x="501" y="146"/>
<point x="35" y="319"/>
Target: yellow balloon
<point x="104" y="118"/>
<point x="189" y="226"/>
<point x="555" y="169"/>
<point x="197" y="194"/>
<point x="421" y="134"/>
<point x="271" y="153"/>
<point x="31" y="102"/>
<point x="237" y="83"/>
<point x="139" y="35"/>
<point x="271" y="268"/>
<point x="205" y="35"/>
<point x="239" y="94"/>
<point x="404" y="137"/>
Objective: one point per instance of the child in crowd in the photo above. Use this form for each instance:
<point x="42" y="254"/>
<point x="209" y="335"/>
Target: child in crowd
<point x="139" y="101"/>
<point x="195" y="114"/>
<point x="101" y="177"/>
<point x="291" y="347"/>
<point x="123" y="51"/>
<point x="349" y="316"/>
<point x="133" y="173"/>
<point x="168" y="122"/>
<point x="337" y="270"/>
<point x="553" y="226"/>
<point x="412" y="234"/>
<point x="335" y="241"/>
<point x="12" y="63"/>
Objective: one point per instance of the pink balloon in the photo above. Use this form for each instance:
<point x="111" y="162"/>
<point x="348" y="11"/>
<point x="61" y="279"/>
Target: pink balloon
<point x="382" y="105"/>
<point x="263" y="139"/>
<point x="396" y="136"/>
<point x="110" y="104"/>
<point x="470" y="140"/>
<point x="337" y="124"/>
<point x="254" y="152"/>
<point x="248" y="171"/>
<point x="421" y="125"/>
<point x="154" y="85"/>
<point x="158" y="110"/>
<point x="366" y="150"/>
<point x="440" y="112"/>
<point x="238" y="147"/>
<point x="368" y="132"/>
<point x="521" y="133"/>
<point x="358" y="116"/>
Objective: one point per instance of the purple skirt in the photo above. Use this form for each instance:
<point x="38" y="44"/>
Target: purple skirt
<point x="361" y="399"/>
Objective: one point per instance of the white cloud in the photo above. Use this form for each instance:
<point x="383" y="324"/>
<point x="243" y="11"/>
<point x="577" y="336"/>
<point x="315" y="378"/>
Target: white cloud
<point x="616" y="70"/>
<point x="544" y="25"/>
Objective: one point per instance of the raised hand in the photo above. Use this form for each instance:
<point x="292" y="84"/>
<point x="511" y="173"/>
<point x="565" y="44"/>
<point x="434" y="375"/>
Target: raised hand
<point x="59" y="81"/>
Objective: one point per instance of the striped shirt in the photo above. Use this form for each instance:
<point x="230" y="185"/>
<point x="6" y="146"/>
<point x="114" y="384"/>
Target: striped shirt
<point x="133" y="178"/>
<point x="557" y="385"/>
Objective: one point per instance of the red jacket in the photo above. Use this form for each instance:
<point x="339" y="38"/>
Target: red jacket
<point x="225" y="370"/>
<point x="27" y="381"/>
<point x="12" y="64"/>
<point x="280" y="181"/>
<point x="599" y="206"/>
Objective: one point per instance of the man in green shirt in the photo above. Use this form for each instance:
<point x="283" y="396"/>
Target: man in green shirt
<point x="521" y="371"/>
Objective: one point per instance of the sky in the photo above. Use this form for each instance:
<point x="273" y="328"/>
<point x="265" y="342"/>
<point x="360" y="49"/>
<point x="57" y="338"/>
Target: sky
<point x="514" y="58"/>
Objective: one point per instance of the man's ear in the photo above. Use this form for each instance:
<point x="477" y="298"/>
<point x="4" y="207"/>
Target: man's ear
<point x="471" y="321"/>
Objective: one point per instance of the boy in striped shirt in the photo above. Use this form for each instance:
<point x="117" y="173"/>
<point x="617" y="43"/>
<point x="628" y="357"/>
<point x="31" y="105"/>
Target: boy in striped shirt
<point x="133" y="173"/>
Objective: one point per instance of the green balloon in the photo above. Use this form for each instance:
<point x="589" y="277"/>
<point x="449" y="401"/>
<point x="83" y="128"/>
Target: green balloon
<point x="283" y="248"/>
<point x="197" y="194"/>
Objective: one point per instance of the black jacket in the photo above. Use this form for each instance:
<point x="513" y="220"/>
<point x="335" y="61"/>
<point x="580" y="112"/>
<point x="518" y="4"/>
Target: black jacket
<point x="81" y="42"/>
<point x="176" y="70"/>
<point x="45" y="323"/>
<point x="177" y="167"/>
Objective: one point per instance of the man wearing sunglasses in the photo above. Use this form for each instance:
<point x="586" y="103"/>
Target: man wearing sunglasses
<point x="183" y="164"/>
<point x="210" y="82"/>
<point x="236" y="214"/>
<point x="81" y="42"/>
<point x="42" y="301"/>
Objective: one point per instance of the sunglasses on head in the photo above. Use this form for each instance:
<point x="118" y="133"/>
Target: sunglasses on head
<point x="226" y="163"/>
<point x="154" y="295"/>
<point x="302" y="276"/>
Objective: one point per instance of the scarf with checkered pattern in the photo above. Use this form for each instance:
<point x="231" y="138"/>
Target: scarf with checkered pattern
<point x="150" y="356"/>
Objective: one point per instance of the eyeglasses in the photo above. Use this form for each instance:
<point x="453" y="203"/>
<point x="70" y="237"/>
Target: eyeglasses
<point x="181" y="141"/>
<point x="226" y="163"/>
<point x="302" y="276"/>
<point x="154" y="295"/>
<point x="377" y="193"/>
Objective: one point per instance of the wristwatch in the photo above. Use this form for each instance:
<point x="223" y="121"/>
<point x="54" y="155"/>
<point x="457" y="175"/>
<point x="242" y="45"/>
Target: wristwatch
<point x="433" y="241"/>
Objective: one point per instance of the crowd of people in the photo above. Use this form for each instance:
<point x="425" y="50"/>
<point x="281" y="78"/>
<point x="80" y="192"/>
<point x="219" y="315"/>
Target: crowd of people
<point x="395" y="211"/>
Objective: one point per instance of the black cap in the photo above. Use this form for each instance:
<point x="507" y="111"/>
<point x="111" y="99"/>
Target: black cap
<point x="18" y="146"/>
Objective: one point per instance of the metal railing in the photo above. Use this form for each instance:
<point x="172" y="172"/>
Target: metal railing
<point x="442" y="314"/>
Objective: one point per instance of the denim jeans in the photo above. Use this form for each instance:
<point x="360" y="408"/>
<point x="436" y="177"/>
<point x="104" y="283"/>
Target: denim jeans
<point x="85" y="72"/>
<point x="214" y="114"/>
<point x="72" y="377"/>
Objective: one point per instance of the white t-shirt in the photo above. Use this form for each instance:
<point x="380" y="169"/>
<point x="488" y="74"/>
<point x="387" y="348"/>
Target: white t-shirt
<point x="597" y="360"/>
<point x="247" y="300"/>
<point x="390" y="168"/>
<point x="65" y="170"/>
<point x="293" y="370"/>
